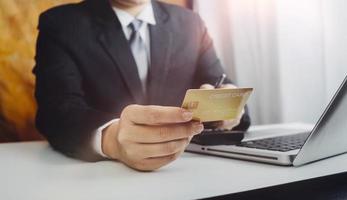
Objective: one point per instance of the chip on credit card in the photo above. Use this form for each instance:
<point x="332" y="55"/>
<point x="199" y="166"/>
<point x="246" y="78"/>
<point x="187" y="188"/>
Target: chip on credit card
<point x="216" y="104"/>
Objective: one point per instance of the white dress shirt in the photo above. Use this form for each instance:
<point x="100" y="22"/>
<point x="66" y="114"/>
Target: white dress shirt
<point x="147" y="17"/>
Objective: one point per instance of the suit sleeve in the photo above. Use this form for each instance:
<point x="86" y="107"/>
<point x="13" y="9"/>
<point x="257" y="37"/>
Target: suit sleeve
<point x="63" y="115"/>
<point x="209" y="69"/>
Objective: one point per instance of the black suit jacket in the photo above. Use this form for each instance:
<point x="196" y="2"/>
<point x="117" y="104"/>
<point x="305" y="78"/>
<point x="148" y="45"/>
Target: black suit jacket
<point x="86" y="74"/>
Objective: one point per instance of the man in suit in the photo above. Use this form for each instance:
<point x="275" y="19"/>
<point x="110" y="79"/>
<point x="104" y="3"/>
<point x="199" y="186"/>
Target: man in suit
<point x="111" y="75"/>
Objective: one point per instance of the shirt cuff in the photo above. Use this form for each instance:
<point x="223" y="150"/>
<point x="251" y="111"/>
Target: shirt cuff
<point x="97" y="139"/>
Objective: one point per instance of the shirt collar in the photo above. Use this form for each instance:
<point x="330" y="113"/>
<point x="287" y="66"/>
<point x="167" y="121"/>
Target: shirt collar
<point x="146" y="15"/>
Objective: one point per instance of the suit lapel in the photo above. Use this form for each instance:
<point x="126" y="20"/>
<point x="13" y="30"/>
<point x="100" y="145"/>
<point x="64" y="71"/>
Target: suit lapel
<point x="161" y="43"/>
<point x="117" y="47"/>
<point x="112" y="38"/>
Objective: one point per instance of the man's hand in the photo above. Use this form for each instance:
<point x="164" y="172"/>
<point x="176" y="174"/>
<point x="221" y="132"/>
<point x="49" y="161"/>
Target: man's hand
<point x="225" y="124"/>
<point x="149" y="137"/>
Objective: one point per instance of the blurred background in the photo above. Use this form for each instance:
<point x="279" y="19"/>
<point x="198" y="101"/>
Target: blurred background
<point x="293" y="52"/>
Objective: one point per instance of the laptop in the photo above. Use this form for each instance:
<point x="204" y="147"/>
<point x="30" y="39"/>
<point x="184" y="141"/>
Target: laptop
<point x="293" y="146"/>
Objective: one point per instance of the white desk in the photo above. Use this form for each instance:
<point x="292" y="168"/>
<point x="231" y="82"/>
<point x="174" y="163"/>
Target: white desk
<point x="31" y="170"/>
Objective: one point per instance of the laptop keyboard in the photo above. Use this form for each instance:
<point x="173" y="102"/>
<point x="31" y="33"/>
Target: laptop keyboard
<point x="283" y="143"/>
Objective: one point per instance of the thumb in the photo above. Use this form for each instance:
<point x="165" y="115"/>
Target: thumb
<point x="206" y="86"/>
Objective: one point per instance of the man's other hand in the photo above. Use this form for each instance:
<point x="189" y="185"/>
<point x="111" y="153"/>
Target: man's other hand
<point x="225" y="124"/>
<point x="149" y="137"/>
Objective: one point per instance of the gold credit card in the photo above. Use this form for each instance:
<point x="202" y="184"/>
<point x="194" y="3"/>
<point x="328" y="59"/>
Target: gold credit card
<point x="216" y="104"/>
